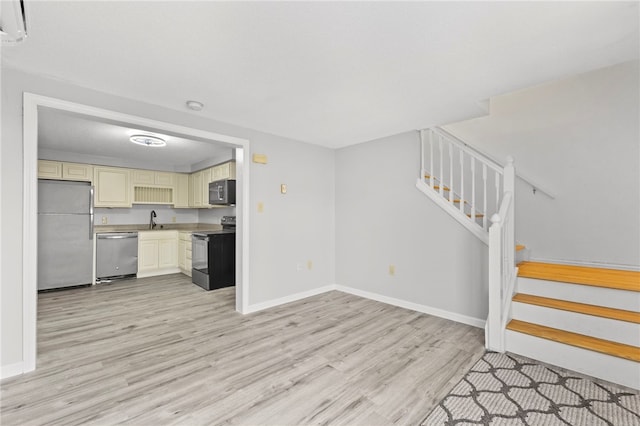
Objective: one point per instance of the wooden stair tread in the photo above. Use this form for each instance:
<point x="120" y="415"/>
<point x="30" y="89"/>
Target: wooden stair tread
<point x="578" y="340"/>
<point x="477" y="215"/>
<point x="581" y="308"/>
<point x="520" y="247"/>
<point x="444" y="188"/>
<point x="600" y="277"/>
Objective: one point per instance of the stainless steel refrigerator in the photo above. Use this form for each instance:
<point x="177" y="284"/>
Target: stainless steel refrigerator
<point x="65" y="233"/>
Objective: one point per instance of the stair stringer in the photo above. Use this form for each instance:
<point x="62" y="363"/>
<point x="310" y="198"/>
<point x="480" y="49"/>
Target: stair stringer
<point x="455" y="212"/>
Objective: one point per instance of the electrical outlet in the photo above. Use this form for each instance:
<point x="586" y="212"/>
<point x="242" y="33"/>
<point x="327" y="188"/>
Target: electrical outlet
<point x="309" y="264"/>
<point x="392" y="269"/>
<point x="173" y="219"/>
<point x="104" y="220"/>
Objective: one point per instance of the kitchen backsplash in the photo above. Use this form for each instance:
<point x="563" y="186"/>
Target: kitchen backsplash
<point x="140" y="214"/>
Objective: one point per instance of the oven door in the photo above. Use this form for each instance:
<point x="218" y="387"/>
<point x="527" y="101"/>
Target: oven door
<point x="200" y="260"/>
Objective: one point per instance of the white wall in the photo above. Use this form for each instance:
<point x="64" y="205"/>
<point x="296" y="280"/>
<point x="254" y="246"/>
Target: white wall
<point x="288" y="230"/>
<point x="579" y="137"/>
<point x="382" y="220"/>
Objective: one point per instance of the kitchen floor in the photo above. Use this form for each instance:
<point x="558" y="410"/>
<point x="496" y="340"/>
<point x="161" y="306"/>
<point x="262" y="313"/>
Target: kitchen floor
<point x="161" y="350"/>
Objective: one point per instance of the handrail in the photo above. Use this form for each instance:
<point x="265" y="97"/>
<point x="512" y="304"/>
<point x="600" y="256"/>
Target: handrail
<point x="460" y="143"/>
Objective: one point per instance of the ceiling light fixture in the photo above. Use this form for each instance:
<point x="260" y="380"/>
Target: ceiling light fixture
<point x="147" y="140"/>
<point x="195" y="105"/>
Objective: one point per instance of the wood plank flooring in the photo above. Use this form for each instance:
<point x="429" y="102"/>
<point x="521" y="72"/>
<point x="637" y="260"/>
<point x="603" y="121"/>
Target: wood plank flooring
<point x="160" y="350"/>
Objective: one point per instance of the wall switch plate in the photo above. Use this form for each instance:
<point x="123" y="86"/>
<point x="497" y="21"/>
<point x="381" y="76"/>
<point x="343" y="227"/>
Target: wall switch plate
<point x="104" y="220"/>
<point x="309" y="264"/>
<point x="392" y="269"/>
<point x="260" y="207"/>
<point x="173" y="219"/>
<point x="283" y="188"/>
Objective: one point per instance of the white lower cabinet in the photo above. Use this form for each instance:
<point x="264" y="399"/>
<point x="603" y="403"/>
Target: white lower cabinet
<point x="157" y="253"/>
<point x="184" y="252"/>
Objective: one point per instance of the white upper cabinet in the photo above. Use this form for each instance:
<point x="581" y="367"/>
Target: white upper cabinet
<point x="150" y="177"/>
<point x="113" y="188"/>
<point x="181" y="194"/>
<point x="65" y="171"/>
<point x="76" y="171"/>
<point x="49" y="169"/>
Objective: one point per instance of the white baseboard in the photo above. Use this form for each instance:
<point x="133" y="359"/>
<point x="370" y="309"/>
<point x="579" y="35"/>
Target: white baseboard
<point x="11" y="370"/>
<point x="453" y="316"/>
<point x="158" y="272"/>
<point x="288" y="299"/>
<point x="464" y="319"/>
<point x="622" y="267"/>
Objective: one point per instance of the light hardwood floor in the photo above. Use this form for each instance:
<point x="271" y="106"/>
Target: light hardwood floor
<point x="161" y="350"/>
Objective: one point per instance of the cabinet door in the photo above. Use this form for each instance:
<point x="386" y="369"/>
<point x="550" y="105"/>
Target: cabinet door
<point x="112" y="187"/>
<point x="143" y="177"/>
<point x="182" y="253"/>
<point x="147" y="255"/>
<point x="206" y="178"/>
<point x="49" y="169"/>
<point x="76" y="171"/>
<point x="165" y="178"/>
<point x="197" y="189"/>
<point x="168" y="252"/>
<point x="181" y="194"/>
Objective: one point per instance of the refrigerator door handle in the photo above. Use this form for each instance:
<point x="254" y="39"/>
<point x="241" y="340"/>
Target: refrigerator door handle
<point x="91" y="195"/>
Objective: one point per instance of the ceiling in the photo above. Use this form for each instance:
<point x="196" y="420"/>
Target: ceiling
<point x="100" y="141"/>
<point x="329" y="73"/>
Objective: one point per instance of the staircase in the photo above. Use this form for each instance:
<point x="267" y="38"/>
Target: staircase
<point x="583" y="319"/>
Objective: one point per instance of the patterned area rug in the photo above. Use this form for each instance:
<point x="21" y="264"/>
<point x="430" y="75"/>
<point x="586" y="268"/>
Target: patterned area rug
<point x="503" y="389"/>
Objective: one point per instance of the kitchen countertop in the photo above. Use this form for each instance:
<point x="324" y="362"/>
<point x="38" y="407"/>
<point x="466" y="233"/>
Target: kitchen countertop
<point x="187" y="227"/>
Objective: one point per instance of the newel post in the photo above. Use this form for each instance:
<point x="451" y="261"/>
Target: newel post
<point x="493" y="333"/>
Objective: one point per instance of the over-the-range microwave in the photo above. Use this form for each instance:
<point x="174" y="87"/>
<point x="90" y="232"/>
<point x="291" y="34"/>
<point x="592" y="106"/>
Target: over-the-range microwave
<point x="222" y="192"/>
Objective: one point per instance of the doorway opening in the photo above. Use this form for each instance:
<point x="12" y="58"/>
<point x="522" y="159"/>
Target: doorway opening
<point x="33" y="106"/>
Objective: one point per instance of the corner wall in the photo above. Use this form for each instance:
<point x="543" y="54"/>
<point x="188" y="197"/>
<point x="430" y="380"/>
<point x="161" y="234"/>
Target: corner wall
<point x="579" y="138"/>
<point x="383" y="220"/>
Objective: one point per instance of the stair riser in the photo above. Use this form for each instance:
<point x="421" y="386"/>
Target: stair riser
<point x="611" y="298"/>
<point x="603" y="328"/>
<point x="606" y="367"/>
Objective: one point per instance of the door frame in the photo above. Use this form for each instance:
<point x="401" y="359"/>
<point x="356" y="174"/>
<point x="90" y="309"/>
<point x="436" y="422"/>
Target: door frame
<point x="31" y="102"/>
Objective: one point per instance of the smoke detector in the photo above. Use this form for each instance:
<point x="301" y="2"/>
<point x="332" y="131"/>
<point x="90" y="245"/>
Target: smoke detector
<point x="195" y="105"/>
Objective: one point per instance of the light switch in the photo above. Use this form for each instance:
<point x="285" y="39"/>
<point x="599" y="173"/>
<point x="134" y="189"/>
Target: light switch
<point x="260" y="158"/>
<point x="392" y="270"/>
<point x="260" y="207"/>
<point x="104" y="220"/>
<point x="283" y="188"/>
<point x="309" y="264"/>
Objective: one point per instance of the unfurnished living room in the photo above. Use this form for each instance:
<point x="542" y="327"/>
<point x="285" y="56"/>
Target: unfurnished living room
<point x="337" y="213"/>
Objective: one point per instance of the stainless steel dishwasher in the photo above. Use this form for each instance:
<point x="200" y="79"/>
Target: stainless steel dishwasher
<point x="116" y="255"/>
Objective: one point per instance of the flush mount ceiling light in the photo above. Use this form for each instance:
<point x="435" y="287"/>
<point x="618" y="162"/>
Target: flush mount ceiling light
<point x="195" y="105"/>
<point x="147" y="140"/>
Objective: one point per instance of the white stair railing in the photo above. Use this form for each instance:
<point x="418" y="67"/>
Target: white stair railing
<point x="457" y="187"/>
<point x="461" y="180"/>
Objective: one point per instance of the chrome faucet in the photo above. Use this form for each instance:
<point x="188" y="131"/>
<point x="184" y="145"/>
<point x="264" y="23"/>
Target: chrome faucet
<point x="152" y="223"/>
